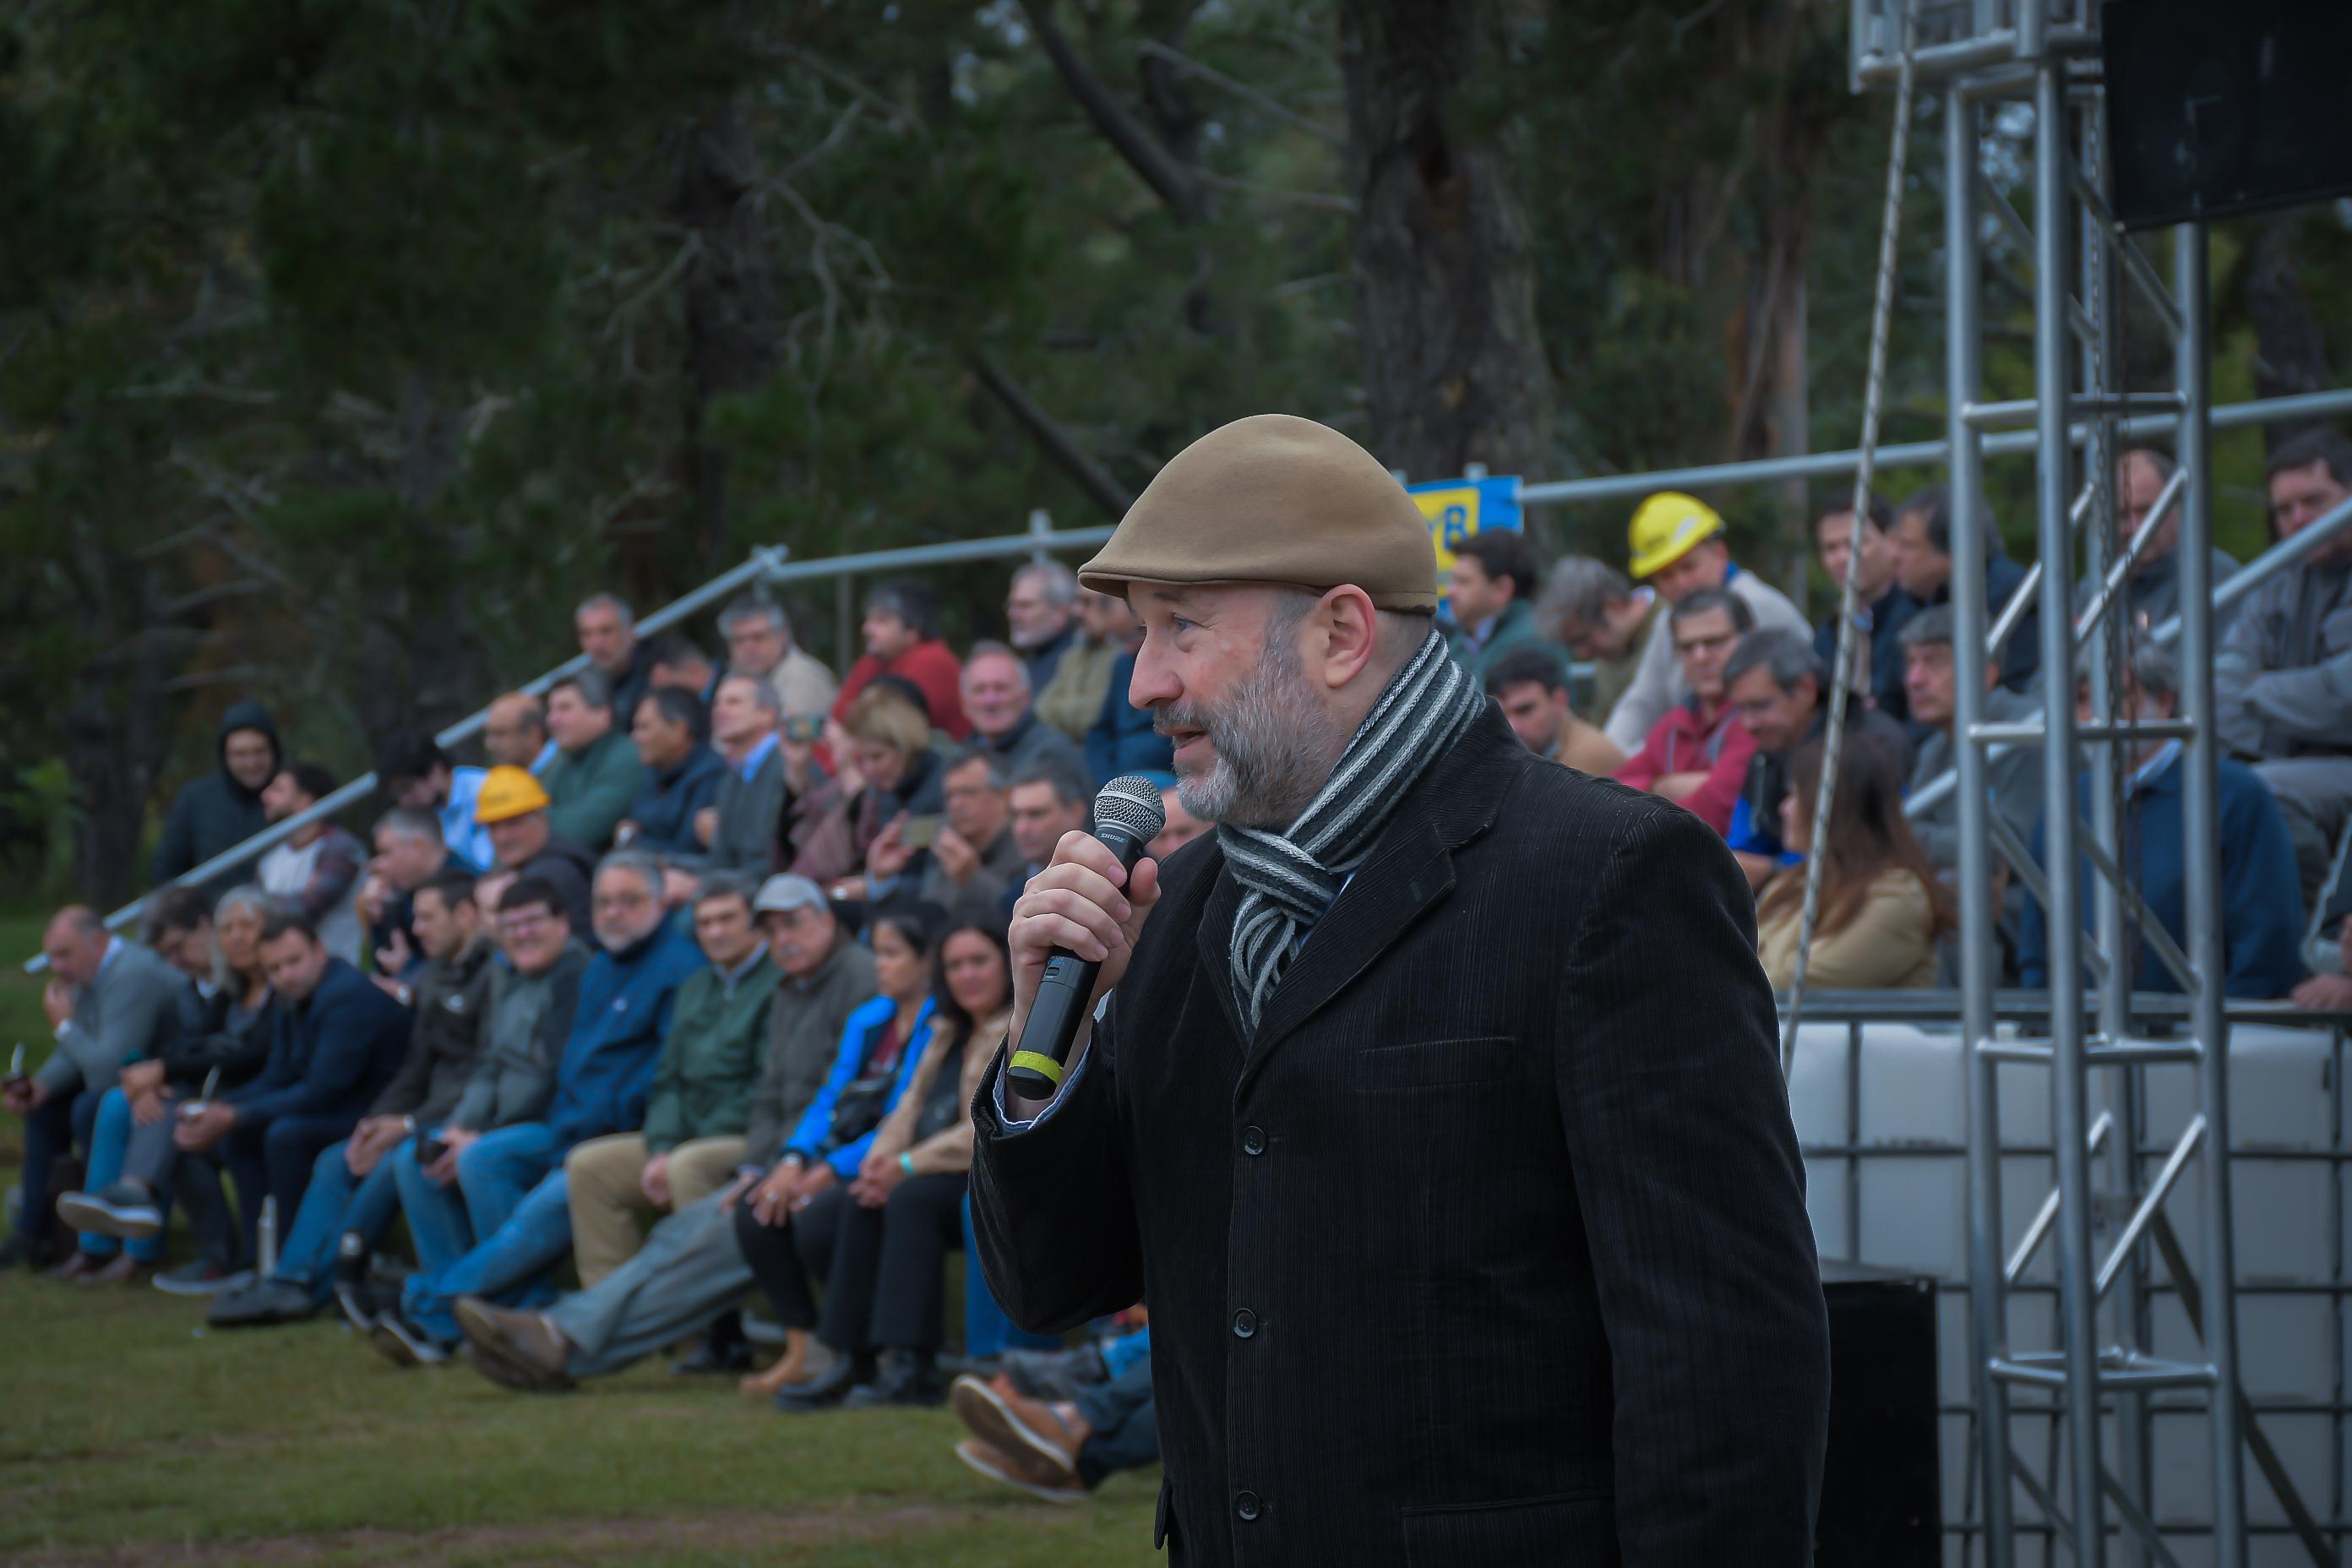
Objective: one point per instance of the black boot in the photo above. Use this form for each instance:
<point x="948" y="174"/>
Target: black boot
<point x="724" y="1350"/>
<point x="830" y="1386"/>
<point x="912" y="1378"/>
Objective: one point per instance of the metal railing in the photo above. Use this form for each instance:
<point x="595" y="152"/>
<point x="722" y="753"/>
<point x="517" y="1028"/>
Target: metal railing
<point x="769" y="565"/>
<point x="1912" y="454"/>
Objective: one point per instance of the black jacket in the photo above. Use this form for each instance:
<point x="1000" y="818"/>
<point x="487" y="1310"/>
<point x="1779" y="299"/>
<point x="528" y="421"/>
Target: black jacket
<point x="216" y="813"/>
<point x="1491" y="1249"/>
<point x="450" y="1002"/>
<point x="204" y="1035"/>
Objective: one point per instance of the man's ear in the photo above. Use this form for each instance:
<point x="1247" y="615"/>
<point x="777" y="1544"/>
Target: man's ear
<point x="1346" y="632"/>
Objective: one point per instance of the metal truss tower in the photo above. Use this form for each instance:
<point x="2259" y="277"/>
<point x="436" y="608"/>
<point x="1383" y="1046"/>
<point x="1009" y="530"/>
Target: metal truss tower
<point x="2105" y="1220"/>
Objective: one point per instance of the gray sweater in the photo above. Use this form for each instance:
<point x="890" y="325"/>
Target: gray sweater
<point x="2013" y="776"/>
<point x="115" y="1020"/>
<point x="529" y="1018"/>
<point x="2283" y="676"/>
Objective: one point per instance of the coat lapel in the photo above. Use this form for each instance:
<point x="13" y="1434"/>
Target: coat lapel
<point x="1410" y="870"/>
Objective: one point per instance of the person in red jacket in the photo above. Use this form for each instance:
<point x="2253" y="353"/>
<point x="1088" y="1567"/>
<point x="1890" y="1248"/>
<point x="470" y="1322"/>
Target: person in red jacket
<point x="1697" y="755"/>
<point x="902" y="638"/>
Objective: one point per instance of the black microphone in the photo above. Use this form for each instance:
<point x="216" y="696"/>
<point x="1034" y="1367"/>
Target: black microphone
<point x="1127" y="817"/>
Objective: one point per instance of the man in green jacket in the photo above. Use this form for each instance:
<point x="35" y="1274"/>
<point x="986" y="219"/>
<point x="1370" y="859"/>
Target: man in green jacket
<point x="701" y="1101"/>
<point x="594" y="774"/>
<point x="1491" y="592"/>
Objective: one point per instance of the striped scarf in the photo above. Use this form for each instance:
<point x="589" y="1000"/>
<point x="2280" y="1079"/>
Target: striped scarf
<point x="1289" y="880"/>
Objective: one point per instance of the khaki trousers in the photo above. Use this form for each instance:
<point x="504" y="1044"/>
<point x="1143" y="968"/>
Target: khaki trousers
<point x="609" y="1212"/>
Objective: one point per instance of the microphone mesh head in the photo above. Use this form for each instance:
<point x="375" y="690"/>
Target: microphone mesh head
<point x="1131" y="805"/>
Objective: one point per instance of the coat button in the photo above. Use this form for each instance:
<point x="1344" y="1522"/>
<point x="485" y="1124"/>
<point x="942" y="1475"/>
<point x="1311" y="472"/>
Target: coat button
<point x="1245" y="1323"/>
<point x="1245" y="1505"/>
<point x="1252" y="1140"/>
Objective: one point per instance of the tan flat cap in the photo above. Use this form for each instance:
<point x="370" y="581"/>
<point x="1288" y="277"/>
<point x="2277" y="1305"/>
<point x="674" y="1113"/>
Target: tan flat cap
<point x="1274" y="498"/>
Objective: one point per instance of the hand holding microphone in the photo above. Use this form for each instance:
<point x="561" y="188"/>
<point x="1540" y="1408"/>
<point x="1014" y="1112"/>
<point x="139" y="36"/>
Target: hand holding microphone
<point x="1074" y="928"/>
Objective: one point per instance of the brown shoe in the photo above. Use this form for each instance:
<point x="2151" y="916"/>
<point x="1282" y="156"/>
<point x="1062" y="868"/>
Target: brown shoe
<point x="76" y="1267"/>
<point x="124" y="1269"/>
<point x="1027" y="1433"/>
<point x="525" y="1341"/>
<point x="999" y="1465"/>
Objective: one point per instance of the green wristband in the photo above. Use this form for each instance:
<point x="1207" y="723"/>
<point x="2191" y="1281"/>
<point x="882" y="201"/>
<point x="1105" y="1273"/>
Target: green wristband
<point x="907" y="1162"/>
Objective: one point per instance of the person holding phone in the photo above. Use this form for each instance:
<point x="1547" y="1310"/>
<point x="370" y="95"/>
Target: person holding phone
<point x="975" y="856"/>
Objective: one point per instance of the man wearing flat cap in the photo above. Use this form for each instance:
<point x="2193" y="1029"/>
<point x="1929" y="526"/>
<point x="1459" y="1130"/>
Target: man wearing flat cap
<point x="1436" y="1111"/>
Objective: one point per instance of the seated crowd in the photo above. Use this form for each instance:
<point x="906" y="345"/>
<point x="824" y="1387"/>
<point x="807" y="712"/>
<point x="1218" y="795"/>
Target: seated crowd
<point x="1709" y="689"/>
<point x="675" y="1005"/>
<point x="678" y="1006"/>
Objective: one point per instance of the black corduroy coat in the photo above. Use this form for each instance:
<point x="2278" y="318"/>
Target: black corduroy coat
<point x="1490" y="1247"/>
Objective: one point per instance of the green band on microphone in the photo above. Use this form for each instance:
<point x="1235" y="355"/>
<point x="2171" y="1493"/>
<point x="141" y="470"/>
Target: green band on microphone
<point x="1045" y="1067"/>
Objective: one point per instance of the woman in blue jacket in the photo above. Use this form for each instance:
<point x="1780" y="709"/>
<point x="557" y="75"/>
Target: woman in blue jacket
<point x="880" y="1043"/>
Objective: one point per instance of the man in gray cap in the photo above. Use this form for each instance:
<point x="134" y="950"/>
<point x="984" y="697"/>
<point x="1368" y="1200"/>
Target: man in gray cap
<point x="689" y="1273"/>
<point x="1473" y="1230"/>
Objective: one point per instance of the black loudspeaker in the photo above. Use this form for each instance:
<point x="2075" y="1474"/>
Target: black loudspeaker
<point x="2214" y="109"/>
<point x="1881" y="1486"/>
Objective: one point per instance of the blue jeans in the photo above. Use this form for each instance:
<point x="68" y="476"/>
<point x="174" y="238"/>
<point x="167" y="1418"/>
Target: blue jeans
<point x="509" y="1267"/>
<point x="987" y="1331"/>
<point x="336" y="1201"/>
<point x="438" y="1224"/>
<point x="108" y="1138"/>
<point x="502" y="1168"/>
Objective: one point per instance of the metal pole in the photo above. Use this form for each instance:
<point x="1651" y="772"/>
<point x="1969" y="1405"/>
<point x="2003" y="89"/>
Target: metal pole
<point x="1909" y="453"/>
<point x="2269" y="564"/>
<point x="2120" y="1087"/>
<point x="2201" y="891"/>
<point x="1041" y="527"/>
<point x="2242" y="582"/>
<point x="1988" y="1297"/>
<point x="2070" y="1085"/>
<point x="766" y="562"/>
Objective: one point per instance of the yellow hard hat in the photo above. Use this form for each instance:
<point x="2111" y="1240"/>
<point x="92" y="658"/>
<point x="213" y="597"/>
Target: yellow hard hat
<point x="508" y="793"/>
<point x="1664" y="529"/>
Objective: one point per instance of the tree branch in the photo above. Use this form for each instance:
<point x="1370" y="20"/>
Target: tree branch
<point x="1152" y="49"/>
<point x="1050" y="437"/>
<point x="1172" y="182"/>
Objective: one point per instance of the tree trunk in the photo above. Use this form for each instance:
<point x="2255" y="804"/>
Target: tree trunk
<point x="730" y="304"/>
<point x="114" y="732"/>
<point x="2289" y="353"/>
<point x="1453" y="361"/>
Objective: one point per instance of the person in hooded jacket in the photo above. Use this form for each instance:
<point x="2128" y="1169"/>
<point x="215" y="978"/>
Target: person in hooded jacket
<point x="222" y="809"/>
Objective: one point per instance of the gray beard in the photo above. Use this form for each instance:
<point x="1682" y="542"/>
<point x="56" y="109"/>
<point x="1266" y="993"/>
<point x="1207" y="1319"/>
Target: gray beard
<point x="1275" y="747"/>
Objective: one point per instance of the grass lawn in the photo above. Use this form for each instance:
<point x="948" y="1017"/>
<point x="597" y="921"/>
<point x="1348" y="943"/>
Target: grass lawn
<point x="129" y="1434"/>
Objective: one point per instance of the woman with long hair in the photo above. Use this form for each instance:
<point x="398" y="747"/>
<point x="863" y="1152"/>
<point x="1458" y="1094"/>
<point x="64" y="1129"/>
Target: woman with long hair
<point x="882" y="750"/>
<point x="882" y="1241"/>
<point x="1882" y="907"/>
<point x="826" y="1149"/>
